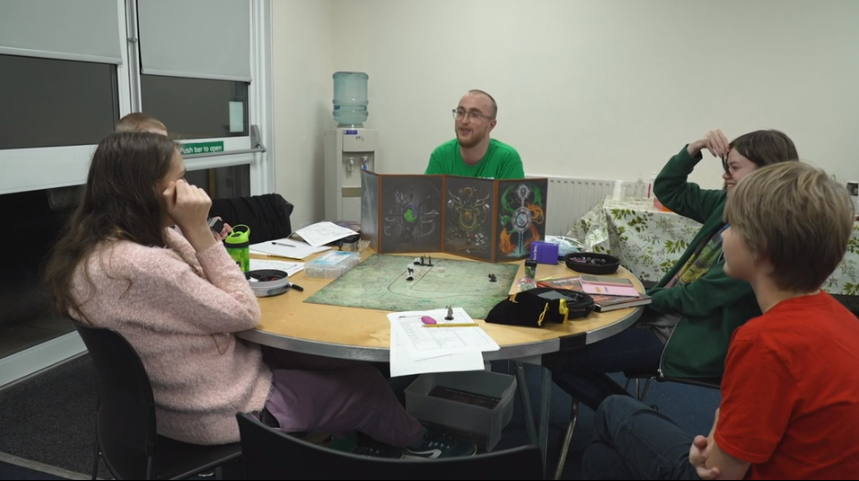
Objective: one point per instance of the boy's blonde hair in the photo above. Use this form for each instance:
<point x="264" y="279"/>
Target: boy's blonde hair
<point x="798" y="217"/>
<point x="140" y="122"/>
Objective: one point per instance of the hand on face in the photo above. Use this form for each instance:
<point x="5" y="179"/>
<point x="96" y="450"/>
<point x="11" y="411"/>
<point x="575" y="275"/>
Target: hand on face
<point x="187" y="205"/>
<point x="714" y="141"/>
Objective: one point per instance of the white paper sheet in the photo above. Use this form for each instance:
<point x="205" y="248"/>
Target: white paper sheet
<point x="322" y="233"/>
<point x="403" y="365"/>
<point x="289" y="248"/>
<point x="416" y="348"/>
<point x="291" y="268"/>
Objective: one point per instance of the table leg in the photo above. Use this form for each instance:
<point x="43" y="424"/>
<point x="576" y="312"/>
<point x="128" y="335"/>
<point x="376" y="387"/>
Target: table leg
<point x="568" y="438"/>
<point x="545" y="401"/>
<point x="526" y="401"/>
<point x="539" y="435"/>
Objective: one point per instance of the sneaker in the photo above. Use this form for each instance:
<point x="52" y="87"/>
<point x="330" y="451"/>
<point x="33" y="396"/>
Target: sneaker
<point x="365" y="446"/>
<point x="376" y="449"/>
<point x="317" y="437"/>
<point x="439" y="445"/>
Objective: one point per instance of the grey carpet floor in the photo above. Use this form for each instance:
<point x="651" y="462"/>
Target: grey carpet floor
<point x="50" y="418"/>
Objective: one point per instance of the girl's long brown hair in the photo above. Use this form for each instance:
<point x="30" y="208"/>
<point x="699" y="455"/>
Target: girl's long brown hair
<point x="765" y="147"/>
<point x="120" y="201"/>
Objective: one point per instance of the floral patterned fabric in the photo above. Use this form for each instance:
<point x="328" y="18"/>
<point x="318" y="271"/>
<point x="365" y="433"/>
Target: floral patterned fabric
<point x="649" y="241"/>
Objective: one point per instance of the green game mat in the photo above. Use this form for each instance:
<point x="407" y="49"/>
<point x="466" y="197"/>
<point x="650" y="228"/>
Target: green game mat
<point x="380" y="283"/>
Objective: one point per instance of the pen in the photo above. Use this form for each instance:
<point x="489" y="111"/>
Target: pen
<point x="296" y="287"/>
<point x="277" y="256"/>
<point x="454" y="324"/>
<point x="284" y="244"/>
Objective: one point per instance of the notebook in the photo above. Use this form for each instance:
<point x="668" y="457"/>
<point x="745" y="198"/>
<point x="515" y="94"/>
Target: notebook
<point x="289" y="248"/>
<point x="609" y="286"/>
<point x="602" y="302"/>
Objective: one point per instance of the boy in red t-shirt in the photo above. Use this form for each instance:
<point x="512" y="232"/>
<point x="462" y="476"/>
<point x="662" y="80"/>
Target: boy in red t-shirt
<point x="790" y="393"/>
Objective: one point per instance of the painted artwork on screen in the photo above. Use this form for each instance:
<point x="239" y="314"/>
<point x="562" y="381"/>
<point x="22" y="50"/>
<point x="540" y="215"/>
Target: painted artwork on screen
<point x="521" y="217"/>
<point x="484" y="219"/>
<point x="410" y="213"/>
<point x="468" y="217"/>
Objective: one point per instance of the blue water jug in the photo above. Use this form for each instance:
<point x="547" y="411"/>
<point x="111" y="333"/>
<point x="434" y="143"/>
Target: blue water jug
<point x="350" y="98"/>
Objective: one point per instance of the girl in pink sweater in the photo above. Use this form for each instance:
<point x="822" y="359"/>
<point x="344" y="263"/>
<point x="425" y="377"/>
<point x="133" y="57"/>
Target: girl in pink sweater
<point x="178" y="298"/>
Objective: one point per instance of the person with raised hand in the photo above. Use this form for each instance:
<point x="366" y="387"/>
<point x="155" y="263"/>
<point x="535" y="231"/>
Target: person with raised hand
<point x="696" y="306"/>
<point x="790" y="394"/>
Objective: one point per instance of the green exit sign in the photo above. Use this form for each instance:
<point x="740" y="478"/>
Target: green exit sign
<point x="202" y="148"/>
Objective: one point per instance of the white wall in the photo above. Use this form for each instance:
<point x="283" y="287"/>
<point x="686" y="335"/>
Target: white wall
<point x="302" y="58"/>
<point x="605" y="89"/>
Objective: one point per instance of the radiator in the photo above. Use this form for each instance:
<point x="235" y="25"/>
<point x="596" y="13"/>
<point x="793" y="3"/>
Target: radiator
<point x="570" y="198"/>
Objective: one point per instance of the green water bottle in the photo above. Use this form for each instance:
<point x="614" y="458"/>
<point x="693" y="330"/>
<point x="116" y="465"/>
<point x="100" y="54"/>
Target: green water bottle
<point x="238" y="246"/>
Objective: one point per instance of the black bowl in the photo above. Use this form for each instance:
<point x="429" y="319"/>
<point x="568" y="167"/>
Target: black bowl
<point x="592" y="263"/>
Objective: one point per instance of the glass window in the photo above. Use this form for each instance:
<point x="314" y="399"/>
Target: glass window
<point x="197" y="108"/>
<point x="51" y="103"/>
<point x="27" y="318"/>
<point x="223" y="182"/>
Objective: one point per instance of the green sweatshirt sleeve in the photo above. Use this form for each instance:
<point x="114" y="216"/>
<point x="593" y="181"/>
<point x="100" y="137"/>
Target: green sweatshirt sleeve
<point x="708" y="294"/>
<point x="685" y="198"/>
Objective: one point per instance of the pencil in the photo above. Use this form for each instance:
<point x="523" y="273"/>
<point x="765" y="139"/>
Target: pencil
<point x="277" y="256"/>
<point x="453" y="324"/>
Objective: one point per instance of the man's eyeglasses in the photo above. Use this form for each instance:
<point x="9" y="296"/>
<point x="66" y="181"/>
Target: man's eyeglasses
<point x="460" y="114"/>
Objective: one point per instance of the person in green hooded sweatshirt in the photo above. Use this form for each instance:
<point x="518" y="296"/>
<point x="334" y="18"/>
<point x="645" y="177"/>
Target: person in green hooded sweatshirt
<point x="685" y="331"/>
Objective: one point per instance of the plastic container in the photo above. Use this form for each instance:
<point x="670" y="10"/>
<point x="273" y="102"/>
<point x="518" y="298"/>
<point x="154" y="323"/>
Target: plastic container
<point x="531" y="268"/>
<point x="650" y="185"/>
<point x="544" y="253"/>
<point x="476" y="404"/>
<point x="332" y="265"/>
<point x="617" y="193"/>
<point x="566" y="245"/>
<point x="853" y="190"/>
<point x="238" y="246"/>
<point x="350" y="98"/>
<point x="640" y="189"/>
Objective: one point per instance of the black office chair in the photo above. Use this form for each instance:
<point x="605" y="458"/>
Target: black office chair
<point x="266" y="215"/>
<point x="125" y="419"/>
<point x="850" y="302"/>
<point x="273" y="454"/>
<point x="640" y="393"/>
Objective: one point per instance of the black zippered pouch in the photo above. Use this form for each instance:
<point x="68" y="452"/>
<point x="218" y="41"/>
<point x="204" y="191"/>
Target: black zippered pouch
<point x="537" y="307"/>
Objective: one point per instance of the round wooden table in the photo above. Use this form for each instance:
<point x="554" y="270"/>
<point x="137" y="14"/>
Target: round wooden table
<point x="355" y="333"/>
<point x="364" y="334"/>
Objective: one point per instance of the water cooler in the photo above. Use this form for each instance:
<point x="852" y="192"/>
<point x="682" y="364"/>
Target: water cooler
<point x="349" y="149"/>
<point x="347" y="152"/>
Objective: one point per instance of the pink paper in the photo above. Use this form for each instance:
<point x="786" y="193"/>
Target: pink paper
<point x="609" y="290"/>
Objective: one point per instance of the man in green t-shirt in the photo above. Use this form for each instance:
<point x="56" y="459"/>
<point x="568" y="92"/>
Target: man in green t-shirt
<point x="472" y="153"/>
